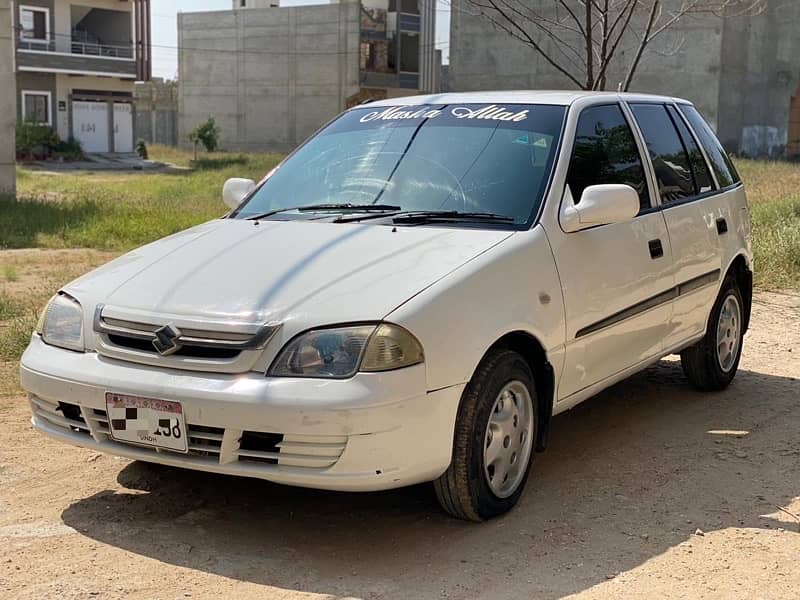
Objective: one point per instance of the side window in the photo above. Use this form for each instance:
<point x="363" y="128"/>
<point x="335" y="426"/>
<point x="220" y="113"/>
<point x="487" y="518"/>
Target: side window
<point x="670" y="160"/>
<point x="702" y="176"/>
<point x="606" y="152"/>
<point x="720" y="161"/>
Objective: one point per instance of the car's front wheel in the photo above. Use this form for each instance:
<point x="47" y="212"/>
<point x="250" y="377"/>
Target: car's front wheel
<point x="711" y="364"/>
<point x="494" y="440"/>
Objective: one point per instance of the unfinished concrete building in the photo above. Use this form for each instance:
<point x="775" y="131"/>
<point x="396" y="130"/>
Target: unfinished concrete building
<point x="741" y="72"/>
<point x="272" y="75"/>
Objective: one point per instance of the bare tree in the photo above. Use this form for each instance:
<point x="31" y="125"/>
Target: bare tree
<point x="581" y="39"/>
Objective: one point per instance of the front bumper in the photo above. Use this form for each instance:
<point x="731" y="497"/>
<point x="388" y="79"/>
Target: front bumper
<point x="371" y="432"/>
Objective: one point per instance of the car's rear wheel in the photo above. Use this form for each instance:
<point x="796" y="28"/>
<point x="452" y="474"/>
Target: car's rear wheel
<point x="494" y="440"/>
<point x="711" y="364"/>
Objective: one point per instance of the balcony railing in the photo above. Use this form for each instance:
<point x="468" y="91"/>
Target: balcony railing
<point x="105" y="50"/>
<point x="79" y="45"/>
<point x="43" y="45"/>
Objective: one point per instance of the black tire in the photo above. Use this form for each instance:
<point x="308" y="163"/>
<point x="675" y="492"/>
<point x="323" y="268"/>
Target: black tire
<point x="701" y="363"/>
<point x="463" y="490"/>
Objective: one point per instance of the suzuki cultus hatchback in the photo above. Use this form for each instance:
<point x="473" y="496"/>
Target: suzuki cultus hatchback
<point x="411" y="296"/>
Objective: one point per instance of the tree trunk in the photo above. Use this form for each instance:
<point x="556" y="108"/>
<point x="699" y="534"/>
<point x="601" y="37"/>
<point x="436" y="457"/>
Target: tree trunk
<point x="642" y="45"/>
<point x="589" y="49"/>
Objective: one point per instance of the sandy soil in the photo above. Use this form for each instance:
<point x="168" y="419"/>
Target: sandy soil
<point x="647" y="490"/>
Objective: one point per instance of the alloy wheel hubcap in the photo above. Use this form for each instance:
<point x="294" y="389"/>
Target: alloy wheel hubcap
<point x="728" y="333"/>
<point x="509" y="439"/>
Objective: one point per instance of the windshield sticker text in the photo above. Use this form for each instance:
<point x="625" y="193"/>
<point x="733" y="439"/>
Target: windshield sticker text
<point x="391" y="114"/>
<point x="489" y="113"/>
<point x="486" y="113"/>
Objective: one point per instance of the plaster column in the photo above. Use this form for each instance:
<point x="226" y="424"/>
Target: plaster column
<point x="8" y="100"/>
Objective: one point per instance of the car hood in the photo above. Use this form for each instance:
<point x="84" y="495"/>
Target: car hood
<point x="279" y="270"/>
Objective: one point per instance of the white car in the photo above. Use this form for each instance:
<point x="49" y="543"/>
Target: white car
<point x="411" y="296"/>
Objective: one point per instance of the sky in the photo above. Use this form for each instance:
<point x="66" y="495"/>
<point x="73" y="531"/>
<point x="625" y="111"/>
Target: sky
<point x="165" y="36"/>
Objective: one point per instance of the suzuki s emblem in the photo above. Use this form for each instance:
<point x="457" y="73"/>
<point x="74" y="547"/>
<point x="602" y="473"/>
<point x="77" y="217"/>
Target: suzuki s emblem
<point x="167" y="340"/>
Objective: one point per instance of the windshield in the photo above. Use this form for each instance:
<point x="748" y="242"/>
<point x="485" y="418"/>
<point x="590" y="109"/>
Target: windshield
<point x="476" y="158"/>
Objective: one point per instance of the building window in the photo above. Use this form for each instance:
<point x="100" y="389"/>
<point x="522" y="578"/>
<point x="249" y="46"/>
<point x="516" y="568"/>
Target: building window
<point x="36" y="107"/>
<point x="34" y="23"/>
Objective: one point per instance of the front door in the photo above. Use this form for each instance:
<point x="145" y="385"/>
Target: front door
<point x="123" y="127"/>
<point x="617" y="279"/>
<point x="90" y="125"/>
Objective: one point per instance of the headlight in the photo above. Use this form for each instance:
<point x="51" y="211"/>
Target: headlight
<point x="61" y="323"/>
<point x="340" y="352"/>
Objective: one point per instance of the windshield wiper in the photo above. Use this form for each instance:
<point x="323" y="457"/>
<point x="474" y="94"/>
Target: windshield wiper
<point x="329" y="207"/>
<point x="452" y="216"/>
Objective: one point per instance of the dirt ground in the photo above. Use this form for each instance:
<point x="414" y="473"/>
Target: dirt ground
<point x="647" y="490"/>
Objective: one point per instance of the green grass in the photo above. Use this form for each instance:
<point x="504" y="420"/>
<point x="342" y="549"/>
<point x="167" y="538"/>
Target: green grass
<point x="773" y="189"/>
<point x="17" y="320"/>
<point x="15" y="336"/>
<point x="9" y="306"/>
<point x="10" y="273"/>
<point x="119" y="211"/>
<point x="776" y="243"/>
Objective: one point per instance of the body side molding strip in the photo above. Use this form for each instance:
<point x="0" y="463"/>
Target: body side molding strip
<point x="665" y="296"/>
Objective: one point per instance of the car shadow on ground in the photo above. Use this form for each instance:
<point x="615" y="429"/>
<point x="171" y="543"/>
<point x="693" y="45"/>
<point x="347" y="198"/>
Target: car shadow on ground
<point x="628" y="475"/>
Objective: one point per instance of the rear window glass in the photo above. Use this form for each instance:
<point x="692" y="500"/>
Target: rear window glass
<point x="720" y="161"/>
<point x="606" y="152"/>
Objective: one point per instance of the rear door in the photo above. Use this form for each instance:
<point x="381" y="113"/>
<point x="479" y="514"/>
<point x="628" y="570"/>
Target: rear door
<point x="617" y="279"/>
<point x="686" y="188"/>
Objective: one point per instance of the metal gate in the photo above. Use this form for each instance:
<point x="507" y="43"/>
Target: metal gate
<point x="90" y="125"/>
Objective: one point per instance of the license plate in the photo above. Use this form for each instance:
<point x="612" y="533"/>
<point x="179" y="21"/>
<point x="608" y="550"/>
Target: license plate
<point x="146" y="421"/>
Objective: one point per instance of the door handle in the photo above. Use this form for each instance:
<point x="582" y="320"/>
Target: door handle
<point x="656" y="249"/>
<point x="722" y="226"/>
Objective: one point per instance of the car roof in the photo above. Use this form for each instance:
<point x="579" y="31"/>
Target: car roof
<point x="562" y="98"/>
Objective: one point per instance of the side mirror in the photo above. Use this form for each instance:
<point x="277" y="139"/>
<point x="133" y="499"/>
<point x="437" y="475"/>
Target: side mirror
<point x="600" y="205"/>
<point x="235" y="190"/>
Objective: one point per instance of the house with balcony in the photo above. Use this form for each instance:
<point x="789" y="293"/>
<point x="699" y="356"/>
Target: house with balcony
<point x="76" y="63"/>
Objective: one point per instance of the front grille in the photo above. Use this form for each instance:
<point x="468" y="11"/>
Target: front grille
<point x="61" y="414"/>
<point x="205" y="441"/>
<point x="310" y="452"/>
<point x="269" y="450"/>
<point x="219" y="343"/>
<point x="141" y="345"/>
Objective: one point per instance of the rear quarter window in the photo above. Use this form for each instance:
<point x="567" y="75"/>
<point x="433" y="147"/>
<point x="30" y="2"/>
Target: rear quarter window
<point x="721" y="163"/>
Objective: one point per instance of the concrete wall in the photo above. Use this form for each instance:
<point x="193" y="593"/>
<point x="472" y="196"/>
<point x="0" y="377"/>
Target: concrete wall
<point x="485" y="58"/>
<point x="7" y="100"/>
<point x="740" y="72"/>
<point x="156" y="112"/>
<point x="269" y="77"/>
<point x="760" y="73"/>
